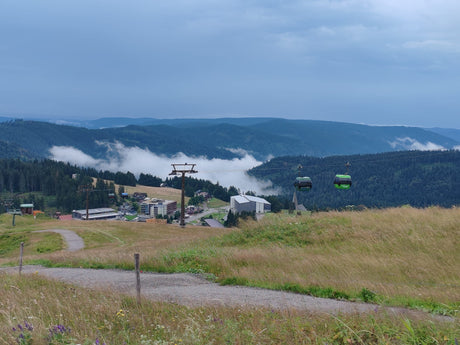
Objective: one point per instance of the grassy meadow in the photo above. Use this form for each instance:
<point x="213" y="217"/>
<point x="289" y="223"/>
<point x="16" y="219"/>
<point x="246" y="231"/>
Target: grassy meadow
<point x="400" y="257"/>
<point x="156" y="192"/>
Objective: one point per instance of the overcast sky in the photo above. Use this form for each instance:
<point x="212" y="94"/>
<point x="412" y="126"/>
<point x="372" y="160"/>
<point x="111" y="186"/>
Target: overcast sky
<point x="362" y="61"/>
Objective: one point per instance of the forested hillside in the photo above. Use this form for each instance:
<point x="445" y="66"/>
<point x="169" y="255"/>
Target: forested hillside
<point x="60" y="186"/>
<point x="380" y="180"/>
<point x="48" y="184"/>
<point x="11" y="150"/>
<point x="222" y="138"/>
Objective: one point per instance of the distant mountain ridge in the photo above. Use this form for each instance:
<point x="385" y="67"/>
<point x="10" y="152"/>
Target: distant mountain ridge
<point x="451" y="133"/>
<point x="220" y="138"/>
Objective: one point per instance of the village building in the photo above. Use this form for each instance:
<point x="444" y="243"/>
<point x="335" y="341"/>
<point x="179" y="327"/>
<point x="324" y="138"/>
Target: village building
<point x="205" y="195"/>
<point x="155" y="207"/>
<point x="27" y="208"/>
<point x="139" y="196"/>
<point x="95" y="214"/>
<point x="248" y="203"/>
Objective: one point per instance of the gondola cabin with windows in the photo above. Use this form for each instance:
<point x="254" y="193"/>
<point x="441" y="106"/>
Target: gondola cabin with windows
<point x="303" y="183"/>
<point x="342" y="181"/>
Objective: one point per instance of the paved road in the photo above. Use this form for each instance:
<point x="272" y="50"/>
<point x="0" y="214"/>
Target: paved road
<point x="73" y="241"/>
<point x="205" y="213"/>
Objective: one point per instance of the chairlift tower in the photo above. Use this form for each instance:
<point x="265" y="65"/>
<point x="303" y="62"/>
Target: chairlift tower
<point x="183" y="169"/>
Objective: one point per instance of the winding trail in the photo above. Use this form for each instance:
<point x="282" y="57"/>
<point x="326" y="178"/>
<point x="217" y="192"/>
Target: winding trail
<point x="194" y="290"/>
<point x="73" y="241"/>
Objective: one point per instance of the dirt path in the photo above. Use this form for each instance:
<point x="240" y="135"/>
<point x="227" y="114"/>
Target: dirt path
<point x="193" y="290"/>
<point x="73" y="241"/>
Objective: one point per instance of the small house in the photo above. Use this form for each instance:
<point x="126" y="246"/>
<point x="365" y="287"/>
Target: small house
<point x="27" y="208"/>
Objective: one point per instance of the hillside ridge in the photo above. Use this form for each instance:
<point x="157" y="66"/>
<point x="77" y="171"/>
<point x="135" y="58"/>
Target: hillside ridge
<point x="217" y="138"/>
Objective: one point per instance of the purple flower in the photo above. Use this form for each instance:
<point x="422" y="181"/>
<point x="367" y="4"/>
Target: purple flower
<point x="28" y="326"/>
<point x="59" y="329"/>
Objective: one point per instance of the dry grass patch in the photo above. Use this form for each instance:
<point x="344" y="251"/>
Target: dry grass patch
<point x="111" y="243"/>
<point x="83" y="316"/>
<point x="399" y="254"/>
<point x="395" y="252"/>
<point x="167" y="193"/>
<point x="157" y="192"/>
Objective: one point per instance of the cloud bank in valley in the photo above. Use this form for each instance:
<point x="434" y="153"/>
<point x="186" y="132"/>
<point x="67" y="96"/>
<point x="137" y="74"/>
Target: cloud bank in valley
<point x="412" y="144"/>
<point x="136" y="160"/>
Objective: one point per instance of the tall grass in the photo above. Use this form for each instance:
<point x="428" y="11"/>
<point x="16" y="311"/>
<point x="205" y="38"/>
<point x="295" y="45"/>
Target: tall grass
<point x="401" y="256"/>
<point x="57" y="313"/>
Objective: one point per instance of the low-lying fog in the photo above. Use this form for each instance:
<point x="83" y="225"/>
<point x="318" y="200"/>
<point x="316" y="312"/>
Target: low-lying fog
<point x="136" y="160"/>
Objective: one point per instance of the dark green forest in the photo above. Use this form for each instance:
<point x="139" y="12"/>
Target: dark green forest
<point x="192" y="185"/>
<point x="63" y="187"/>
<point x="50" y="185"/>
<point x="212" y="138"/>
<point x="416" y="178"/>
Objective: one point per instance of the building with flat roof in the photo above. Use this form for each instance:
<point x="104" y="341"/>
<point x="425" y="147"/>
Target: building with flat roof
<point x="95" y="214"/>
<point x="27" y="208"/>
<point x="155" y="207"/>
<point x="248" y="203"/>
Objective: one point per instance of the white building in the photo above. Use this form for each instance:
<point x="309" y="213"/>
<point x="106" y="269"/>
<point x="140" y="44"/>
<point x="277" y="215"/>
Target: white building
<point x="239" y="203"/>
<point x="157" y="207"/>
<point x="95" y="214"/>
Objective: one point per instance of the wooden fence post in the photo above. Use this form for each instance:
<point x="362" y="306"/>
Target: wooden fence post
<point x="138" y="278"/>
<point x="21" y="253"/>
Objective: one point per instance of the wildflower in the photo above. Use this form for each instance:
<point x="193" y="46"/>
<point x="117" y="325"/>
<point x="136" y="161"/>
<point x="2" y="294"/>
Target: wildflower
<point x="25" y="335"/>
<point x="28" y="326"/>
<point x="57" y="332"/>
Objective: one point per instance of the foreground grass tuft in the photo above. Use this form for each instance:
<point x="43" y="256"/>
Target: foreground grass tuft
<point x="38" y="311"/>
<point x="397" y="257"/>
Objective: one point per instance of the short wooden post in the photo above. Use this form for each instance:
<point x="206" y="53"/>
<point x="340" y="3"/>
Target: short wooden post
<point x="21" y="253"/>
<point x="138" y="278"/>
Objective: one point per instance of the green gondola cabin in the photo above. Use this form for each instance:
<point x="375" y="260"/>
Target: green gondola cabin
<point x="303" y="183"/>
<point x="342" y="181"/>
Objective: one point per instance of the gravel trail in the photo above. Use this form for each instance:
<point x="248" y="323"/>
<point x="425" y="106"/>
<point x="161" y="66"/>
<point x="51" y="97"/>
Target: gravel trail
<point x="193" y="290"/>
<point x="74" y="242"/>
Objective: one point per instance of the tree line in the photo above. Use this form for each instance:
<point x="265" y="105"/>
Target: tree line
<point x="416" y="178"/>
<point x="63" y="187"/>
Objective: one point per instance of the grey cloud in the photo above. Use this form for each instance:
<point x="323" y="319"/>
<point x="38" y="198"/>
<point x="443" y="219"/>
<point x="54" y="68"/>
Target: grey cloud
<point x="337" y="60"/>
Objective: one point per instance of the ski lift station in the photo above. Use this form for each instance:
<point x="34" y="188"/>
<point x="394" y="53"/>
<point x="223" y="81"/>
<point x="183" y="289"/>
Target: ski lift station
<point x="248" y="203"/>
